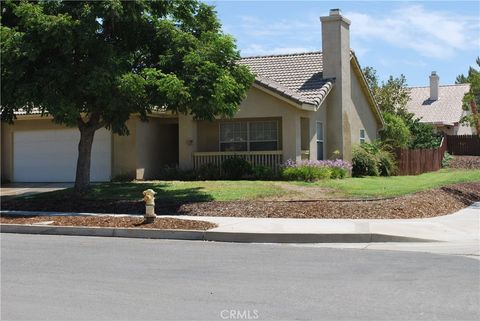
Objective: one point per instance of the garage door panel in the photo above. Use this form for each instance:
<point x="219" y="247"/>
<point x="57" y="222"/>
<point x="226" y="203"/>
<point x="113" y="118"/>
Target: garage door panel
<point x="51" y="155"/>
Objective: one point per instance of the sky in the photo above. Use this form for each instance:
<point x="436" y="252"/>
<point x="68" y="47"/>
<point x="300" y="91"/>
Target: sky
<point x="412" y="38"/>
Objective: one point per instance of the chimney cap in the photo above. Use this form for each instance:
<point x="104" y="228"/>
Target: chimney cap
<point x="335" y="12"/>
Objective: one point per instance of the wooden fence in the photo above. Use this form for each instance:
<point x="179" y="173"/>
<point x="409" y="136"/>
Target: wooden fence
<point x="463" y="145"/>
<point x="418" y="161"/>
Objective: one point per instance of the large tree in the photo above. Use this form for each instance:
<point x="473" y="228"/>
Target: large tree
<point x="92" y="64"/>
<point x="471" y="100"/>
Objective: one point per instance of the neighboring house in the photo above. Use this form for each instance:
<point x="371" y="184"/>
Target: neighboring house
<point x="301" y="106"/>
<point x="440" y="106"/>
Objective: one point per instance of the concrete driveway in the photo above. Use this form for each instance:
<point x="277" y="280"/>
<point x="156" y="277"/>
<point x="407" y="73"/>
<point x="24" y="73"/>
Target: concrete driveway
<point x="22" y="189"/>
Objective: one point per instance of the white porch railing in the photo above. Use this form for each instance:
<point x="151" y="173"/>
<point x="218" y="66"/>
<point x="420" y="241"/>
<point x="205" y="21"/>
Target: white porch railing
<point x="272" y="159"/>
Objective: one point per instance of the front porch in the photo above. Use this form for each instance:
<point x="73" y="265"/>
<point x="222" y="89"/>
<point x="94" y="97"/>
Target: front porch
<point x="261" y="141"/>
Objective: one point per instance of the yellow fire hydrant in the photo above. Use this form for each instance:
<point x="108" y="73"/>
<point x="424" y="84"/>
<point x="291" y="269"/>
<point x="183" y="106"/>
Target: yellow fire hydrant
<point x="149" y="198"/>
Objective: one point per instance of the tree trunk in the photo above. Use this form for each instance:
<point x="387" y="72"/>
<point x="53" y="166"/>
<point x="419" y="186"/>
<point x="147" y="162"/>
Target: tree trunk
<point x="473" y="106"/>
<point x="82" y="178"/>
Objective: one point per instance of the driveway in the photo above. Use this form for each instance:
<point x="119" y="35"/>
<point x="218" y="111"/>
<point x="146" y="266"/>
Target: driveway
<point x="22" y="189"/>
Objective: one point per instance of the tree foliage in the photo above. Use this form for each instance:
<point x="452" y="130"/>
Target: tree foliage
<point x="395" y="131"/>
<point x="423" y="136"/>
<point x="402" y="129"/>
<point x="471" y="100"/>
<point x="391" y="96"/>
<point x="92" y="64"/>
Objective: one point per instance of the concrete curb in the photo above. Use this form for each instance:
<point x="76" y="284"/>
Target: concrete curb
<point x="195" y="235"/>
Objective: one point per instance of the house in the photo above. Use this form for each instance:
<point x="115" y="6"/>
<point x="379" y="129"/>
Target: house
<point x="440" y="106"/>
<point x="301" y="106"/>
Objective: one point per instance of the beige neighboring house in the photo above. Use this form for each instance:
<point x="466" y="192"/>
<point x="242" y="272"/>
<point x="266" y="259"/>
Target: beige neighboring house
<point x="301" y="106"/>
<point x="440" y="106"/>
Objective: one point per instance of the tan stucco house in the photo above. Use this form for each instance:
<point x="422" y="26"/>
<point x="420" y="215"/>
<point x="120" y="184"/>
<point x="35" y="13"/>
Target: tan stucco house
<point x="301" y="106"/>
<point x="440" y="106"/>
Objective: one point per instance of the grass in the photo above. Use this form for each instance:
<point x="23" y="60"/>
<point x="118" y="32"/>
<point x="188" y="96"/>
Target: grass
<point x="399" y="185"/>
<point x="198" y="191"/>
<point x="193" y="191"/>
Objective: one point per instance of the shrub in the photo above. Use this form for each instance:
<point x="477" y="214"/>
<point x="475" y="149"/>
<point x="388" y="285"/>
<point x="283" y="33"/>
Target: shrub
<point x="423" y="135"/>
<point x="315" y="170"/>
<point x="446" y="160"/>
<point x="387" y="165"/>
<point x="208" y="172"/>
<point x="364" y="162"/>
<point x="306" y="173"/>
<point x="373" y="159"/>
<point x="263" y="172"/>
<point x="236" y="168"/>
<point x="338" y="172"/>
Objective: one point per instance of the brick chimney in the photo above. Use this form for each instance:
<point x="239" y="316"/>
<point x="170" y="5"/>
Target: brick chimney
<point x="336" y="64"/>
<point x="434" y="80"/>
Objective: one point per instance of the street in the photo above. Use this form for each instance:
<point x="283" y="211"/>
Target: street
<point x="87" y="278"/>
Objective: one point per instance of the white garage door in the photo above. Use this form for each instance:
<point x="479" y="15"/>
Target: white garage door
<point x="51" y="155"/>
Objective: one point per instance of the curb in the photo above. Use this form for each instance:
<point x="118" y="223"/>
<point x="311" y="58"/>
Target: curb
<point x="195" y="235"/>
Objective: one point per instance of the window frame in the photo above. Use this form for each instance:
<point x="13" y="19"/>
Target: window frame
<point x="248" y="141"/>
<point x="363" y="139"/>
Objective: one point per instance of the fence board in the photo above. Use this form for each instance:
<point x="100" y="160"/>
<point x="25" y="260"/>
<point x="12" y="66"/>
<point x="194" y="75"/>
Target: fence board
<point x="418" y="161"/>
<point x="463" y="145"/>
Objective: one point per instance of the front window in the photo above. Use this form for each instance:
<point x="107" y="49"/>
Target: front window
<point x="319" y="140"/>
<point x="249" y="136"/>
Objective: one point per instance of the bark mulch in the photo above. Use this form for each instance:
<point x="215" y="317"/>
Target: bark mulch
<point x="430" y="203"/>
<point x="109" y="221"/>
<point x="465" y="162"/>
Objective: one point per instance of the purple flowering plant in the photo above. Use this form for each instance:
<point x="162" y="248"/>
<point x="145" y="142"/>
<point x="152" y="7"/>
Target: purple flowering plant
<point x="337" y="163"/>
<point x="310" y="170"/>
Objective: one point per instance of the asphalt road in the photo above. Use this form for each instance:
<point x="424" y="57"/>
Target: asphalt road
<point x="81" y="278"/>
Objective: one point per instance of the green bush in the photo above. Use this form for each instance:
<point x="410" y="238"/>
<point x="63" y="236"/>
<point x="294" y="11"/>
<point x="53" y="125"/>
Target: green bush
<point x="373" y="159"/>
<point x="364" y="162"/>
<point x="236" y="168"/>
<point x="263" y="172"/>
<point x="446" y="160"/>
<point x="387" y="165"/>
<point x="306" y="173"/>
<point x="208" y="172"/>
<point x="337" y="172"/>
<point x="423" y="135"/>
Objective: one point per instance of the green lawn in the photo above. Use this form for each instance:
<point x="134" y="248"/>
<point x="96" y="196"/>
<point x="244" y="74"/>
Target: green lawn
<point x="178" y="190"/>
<point x="244" y="190"/>
<point x="399" y="185"/>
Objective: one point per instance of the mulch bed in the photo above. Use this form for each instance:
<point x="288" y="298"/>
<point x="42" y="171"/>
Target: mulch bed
<point x="430" y="203"/>
<point x="465" y="162"/>
<point x="109" y="221"/>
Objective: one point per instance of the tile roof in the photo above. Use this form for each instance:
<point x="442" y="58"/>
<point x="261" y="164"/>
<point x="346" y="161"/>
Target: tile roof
<point x="295" y="76"/>
<point x="447" y="109"/>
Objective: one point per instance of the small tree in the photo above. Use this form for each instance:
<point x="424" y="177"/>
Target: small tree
<point x="91" y="64"/>
<point x="395" y="132"/>
<point x="471" y="100"/>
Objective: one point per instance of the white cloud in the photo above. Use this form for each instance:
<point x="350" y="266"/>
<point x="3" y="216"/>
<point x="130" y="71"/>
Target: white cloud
<point x="433" y="34"/>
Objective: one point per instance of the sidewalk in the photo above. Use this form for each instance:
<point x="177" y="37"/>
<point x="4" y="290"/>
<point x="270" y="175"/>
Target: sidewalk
<point x="462" y="226"/>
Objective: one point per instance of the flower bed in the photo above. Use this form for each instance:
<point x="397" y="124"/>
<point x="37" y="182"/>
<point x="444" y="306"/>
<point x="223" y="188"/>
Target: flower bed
<point x="312" y="170"/>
